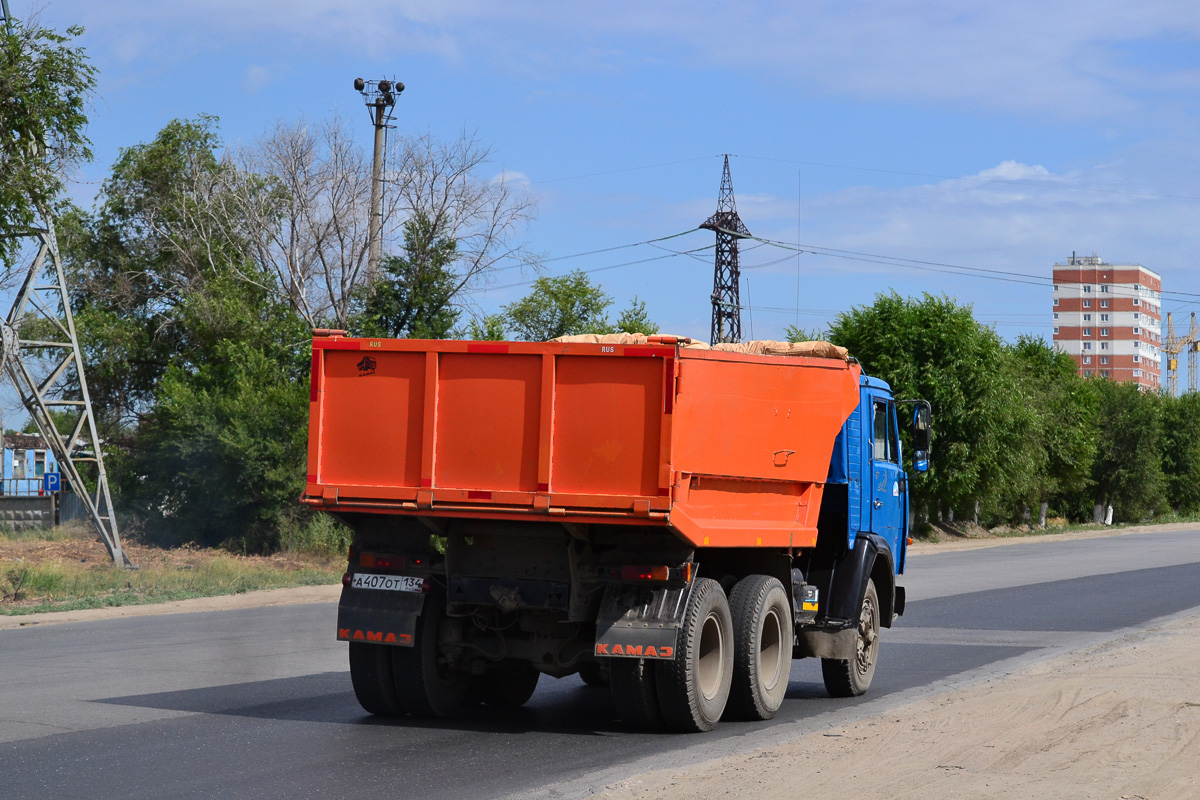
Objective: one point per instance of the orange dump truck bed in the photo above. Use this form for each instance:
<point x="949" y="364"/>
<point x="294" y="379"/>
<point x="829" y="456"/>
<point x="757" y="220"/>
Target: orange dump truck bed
<point x="725" y="449"/>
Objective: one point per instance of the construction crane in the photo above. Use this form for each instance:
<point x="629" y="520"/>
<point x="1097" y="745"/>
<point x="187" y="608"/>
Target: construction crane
<point x="39" y="351"/>
<point x="1174" y="345"/>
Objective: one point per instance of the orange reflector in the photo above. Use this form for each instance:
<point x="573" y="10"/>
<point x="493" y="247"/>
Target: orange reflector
<point x="910" y="540"/>
<point x="644" y="573"/>
<point x="381" y="562"/>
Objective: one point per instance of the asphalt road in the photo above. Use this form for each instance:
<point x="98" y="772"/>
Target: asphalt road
<point x="257" y="703"/>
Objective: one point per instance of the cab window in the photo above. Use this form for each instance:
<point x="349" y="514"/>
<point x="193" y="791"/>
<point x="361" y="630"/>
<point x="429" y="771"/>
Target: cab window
<point x="879" y="450"/>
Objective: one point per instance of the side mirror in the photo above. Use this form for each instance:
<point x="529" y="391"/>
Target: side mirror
<point x="922" y="433"/>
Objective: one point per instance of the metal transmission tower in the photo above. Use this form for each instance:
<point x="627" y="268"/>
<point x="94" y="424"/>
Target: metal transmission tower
<point x="380" y="97"/>
<point x="727" y="306"/>
<point x="40" y="353"/>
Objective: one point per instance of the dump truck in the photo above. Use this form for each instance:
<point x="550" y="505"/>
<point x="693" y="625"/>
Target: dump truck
<point x="673" y="520"/>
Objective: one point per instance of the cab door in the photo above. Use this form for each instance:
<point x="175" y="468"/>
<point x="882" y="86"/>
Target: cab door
<point x="887" y="497"/>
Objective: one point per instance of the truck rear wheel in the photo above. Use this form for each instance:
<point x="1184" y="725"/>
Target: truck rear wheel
<point x="509" y="684"/>
<point x="851" y="677"/>
<point x="694" y="687"/>
<point x="762" y="636"/>
<point x="371" y="675"/>
<point x="635" y="692"/>
<point x="425" y="685"/>
<point x="593" y="674"/>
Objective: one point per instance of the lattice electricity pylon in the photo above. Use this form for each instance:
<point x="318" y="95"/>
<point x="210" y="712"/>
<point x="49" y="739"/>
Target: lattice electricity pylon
<point x="727" y="304"/>
<point x="40" y="326"/>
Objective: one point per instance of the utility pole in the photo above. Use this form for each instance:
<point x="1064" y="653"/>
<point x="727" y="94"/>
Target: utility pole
<point x="39" y="350"/>
<point x="380" y="98"/>
<point x="727" y="307"/>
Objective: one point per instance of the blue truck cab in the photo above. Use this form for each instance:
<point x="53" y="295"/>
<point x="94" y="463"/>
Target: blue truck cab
<point x="862" y="538"/>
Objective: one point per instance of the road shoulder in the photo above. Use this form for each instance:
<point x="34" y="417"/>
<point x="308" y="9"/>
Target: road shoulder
<point x="259" y="599"/>
<point x="1120" y="719"/>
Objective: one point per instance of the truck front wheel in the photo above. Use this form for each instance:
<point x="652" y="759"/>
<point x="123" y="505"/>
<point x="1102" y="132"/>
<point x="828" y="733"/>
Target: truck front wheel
<point x="426" y="686"/>
<point x="762" y="635"/>
<point x="694" y="687"/>
<point x="850" y="677"/>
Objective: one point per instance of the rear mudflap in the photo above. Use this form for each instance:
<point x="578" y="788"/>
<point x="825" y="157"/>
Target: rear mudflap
<point x="640" y="621"/>
<point x="379" y="617"/>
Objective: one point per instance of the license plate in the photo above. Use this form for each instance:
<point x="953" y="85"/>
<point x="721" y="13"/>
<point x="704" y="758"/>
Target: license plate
<point x="389" y="583"/>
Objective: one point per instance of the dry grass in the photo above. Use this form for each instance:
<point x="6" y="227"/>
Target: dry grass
<point x="67" y="568"/>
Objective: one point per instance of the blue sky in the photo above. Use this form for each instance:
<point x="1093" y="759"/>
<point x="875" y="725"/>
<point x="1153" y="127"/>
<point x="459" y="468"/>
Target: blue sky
<point x="1000" y="136"/>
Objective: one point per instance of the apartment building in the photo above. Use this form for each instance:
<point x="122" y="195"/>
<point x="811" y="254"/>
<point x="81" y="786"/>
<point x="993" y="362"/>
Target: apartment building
<point x="1108" y="317"/>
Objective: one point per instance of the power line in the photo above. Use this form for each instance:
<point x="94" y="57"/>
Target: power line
<point x="1007" y="276"/>
<point x="623" y="169"/>
<point x="486" y="289"/>
<point x="1018" y="181"/>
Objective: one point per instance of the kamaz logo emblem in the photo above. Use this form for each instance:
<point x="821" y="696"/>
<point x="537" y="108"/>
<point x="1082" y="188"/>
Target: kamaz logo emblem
<point x="382" y="637"/>
<point x="634" y="650"/>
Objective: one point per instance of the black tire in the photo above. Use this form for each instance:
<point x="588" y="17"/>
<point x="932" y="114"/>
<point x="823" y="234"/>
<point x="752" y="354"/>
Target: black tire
<point x="593" y="674"/>
<point x="694" y="687"/>
<point x="425" y="686"/>
<point x="635" y="692"/>
<point x="762" y="654"/>
<point x="851" y="677"/>
<point x="509" y="684"/>
<point x="371" y="675"/>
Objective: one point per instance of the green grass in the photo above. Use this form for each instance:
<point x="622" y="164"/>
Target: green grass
<point x="56" y="586"/>
<point x="58" y="534"/>
<point x="934" y="535"/>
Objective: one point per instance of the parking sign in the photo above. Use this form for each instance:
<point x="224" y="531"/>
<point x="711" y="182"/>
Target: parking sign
<point x="51" y="482"/>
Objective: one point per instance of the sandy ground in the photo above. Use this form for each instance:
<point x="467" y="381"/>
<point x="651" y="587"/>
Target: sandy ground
<point x="1121" y="720"/>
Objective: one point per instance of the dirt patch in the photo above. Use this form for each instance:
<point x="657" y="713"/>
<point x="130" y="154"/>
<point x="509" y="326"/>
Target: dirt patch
<point x="67" y="570"/>
<point x="1121" y="720"/>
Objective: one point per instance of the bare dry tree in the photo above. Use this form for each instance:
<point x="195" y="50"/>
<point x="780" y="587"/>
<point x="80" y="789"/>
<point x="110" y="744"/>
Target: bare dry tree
<point x="295" y="208"/>
<point x="442" y="183"/>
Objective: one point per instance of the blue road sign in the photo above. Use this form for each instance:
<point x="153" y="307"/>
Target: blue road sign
<point x="51" y="482"/>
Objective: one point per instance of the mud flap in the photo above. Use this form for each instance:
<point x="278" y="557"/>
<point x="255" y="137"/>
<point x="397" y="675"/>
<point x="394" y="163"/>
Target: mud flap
<point x="825" y="643"/>
<point x="379" y="617"/>
<point x="640" y="621"/>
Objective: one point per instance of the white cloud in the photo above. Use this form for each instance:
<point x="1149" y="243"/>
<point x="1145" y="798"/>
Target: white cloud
<point x="1045" y="58"/>
<point x="255" y="79"/>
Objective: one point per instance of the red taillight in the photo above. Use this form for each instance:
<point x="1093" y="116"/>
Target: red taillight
<point x="645" y="573"/>
<point x="346" y="579"/>
<point x="373" y="561"/>
<point x="426" y="586"/>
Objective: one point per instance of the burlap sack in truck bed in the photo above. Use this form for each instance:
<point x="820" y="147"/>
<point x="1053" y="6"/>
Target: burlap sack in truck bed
<point x="764" y="347"/>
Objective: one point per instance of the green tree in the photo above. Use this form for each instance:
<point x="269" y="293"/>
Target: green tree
<point x="1127" y="472"/>
<point x="934" y="349"/>
<point x="220" y="456"/>
<point x="45" y="83"/>
<point x="635" y="319"/>
<point x="489" y="328"/>
<point x="564" y="306"/>
<point x="129" y="276"/>
<point x="412" y="298"/>
<point x="1065" y="412"/>
<point x="1181" y="451"/>
<point x="793" y="333"/>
